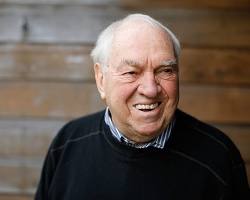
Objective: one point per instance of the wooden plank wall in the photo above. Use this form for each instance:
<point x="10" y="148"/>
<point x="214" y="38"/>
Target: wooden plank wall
<point x="46" y="73"/>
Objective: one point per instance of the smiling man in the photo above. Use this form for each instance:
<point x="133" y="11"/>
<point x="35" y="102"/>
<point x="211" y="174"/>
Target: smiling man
<point x="141" y="146"/>
<point x="139" y="81"/>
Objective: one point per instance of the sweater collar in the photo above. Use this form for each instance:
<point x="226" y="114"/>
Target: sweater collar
<point x="158" y="142"/>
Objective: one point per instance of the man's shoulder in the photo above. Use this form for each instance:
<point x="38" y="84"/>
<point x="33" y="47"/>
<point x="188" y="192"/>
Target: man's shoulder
<point x="79" y="128"/>
<point x="207" y="136"/>
<point x="193" y="124"/>
<point x="88" y="122"/>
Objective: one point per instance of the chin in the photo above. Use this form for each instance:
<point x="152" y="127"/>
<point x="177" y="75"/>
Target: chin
<point x="149" y="132"/>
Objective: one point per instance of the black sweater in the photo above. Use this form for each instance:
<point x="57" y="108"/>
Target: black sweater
<point x="85" y="162"/>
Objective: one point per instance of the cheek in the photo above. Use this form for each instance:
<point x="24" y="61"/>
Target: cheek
<point x="118" y="93"/>
<point x="124" y="93"/>
<point x="171" y="89"/>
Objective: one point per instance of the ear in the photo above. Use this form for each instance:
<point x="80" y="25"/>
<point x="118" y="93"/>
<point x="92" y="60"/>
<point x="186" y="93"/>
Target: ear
<point x="99" y="78"/>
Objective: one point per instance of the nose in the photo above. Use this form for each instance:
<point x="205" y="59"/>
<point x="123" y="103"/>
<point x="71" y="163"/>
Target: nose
<point x="149" y="86"/>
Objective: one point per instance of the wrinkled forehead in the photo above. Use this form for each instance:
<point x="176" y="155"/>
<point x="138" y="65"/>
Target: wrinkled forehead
<point x="140" y="39"/>
<point x="132" y="29"/>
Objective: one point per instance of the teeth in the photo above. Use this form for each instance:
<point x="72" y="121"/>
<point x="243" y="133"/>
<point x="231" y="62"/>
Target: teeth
<point x="146" y="106"/>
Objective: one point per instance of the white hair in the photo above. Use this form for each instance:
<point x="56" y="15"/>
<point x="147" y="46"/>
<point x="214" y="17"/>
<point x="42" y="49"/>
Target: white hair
<point x="101" y="51"/>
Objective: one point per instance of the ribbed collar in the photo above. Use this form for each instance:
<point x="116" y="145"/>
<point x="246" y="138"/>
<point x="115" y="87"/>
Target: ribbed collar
<point x="158" y="142"/>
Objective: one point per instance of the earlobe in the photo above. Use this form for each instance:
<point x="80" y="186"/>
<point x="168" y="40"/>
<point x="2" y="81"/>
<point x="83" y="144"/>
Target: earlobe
<point x="99" y="78"/>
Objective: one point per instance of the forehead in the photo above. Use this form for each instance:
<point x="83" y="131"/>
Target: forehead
<point x="139" y="40"/>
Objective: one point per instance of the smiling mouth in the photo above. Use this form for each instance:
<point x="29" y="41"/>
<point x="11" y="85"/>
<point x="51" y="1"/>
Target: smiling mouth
<point x="147" y="107"/>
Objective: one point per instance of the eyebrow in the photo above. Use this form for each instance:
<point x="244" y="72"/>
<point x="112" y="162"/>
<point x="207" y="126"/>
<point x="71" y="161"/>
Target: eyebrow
<point x="169" y="62"/>
<point x="130" y="63"/>
<point x="138" y="65"/>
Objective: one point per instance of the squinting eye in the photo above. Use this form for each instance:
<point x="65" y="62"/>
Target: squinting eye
<point x="130" y="73"/>
<point x="168" y="70"/>
<point x="166" y="73"/>
<point x="129" y="76"/>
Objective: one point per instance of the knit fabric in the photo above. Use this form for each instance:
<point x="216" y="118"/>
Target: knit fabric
<point x="158" y="142"/>
<point x="85" y="162"/>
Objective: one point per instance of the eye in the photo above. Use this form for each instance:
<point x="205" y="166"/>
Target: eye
<point x="130" y="73"/>
<point x="129" y="76"/>
<point x="166" y="72"/>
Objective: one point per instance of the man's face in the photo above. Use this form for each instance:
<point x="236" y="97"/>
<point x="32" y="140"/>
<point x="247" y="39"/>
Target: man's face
<point x="140" y="85"/>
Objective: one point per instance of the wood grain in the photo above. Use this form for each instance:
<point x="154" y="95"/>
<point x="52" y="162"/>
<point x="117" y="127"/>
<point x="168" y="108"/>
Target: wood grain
<point x="207" y="28"/>
<point x="73" y="63"/>
<point x="46" y="75"/>
<point x="45" y="62"/>
<point x="220" y="4"/>
<point x="18" y="175"/>
<point x="16" y="197"/>
<point x="66" y="100"/>
<point x="34" y="99"/>
<point x="215" y="66"/>
<point x="194" y="4"/>
<point x="74" y="24"/>
<point x="61" y="2"/>
<point x="27" y="137"/>
<point x="71" y="24"/>
<point x="11" y="28"/>
<point x="216" y="104"/>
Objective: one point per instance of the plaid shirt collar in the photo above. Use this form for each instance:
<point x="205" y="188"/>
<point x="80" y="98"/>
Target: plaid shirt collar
<point x="158" y="142"/>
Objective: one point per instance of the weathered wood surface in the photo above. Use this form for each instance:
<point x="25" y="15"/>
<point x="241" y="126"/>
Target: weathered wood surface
<point x="46" y="75"/>
<point x="63" y="24"/>
<point x="62" y="2"/>
<point x="73" y="63"/>
<point x="23" y="146"/>
<point x="215" y="66"/>
<point x="19" y="175"/>
<point x="45" y="62"/>
<point x="10" y="27"/>
<point x="27" y="137"/>
<point x="59" y="100"/>
<point x="66" y="100"/>
<point x="16" y="197"/>
<point x="216" y="104"/>
<point x="220" y="4"/>
<point x="75" y="24"/>
<point x="204" y="28"/>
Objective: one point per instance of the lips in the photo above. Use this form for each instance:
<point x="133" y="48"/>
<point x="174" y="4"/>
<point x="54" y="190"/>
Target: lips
<point x="147" y="107"/>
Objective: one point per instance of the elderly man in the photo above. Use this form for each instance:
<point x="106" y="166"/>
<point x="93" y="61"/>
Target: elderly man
<point x="141" y="147"/>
